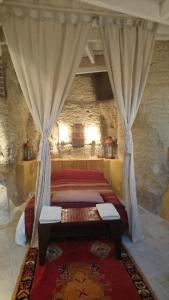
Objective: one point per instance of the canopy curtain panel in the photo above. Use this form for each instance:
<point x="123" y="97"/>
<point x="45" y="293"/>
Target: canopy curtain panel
<point x="45" y="48"/>
<point x="128" y="49"/>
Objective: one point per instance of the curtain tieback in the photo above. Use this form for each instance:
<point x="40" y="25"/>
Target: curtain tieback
<point x="128" y="141"/>
<point x="43" y="143"/>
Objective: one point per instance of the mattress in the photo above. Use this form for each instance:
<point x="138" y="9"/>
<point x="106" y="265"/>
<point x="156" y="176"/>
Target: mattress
<point x="81" y="180"/>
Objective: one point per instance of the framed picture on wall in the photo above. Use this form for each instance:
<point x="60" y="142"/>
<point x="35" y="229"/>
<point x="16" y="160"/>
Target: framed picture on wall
<point x="77" y="135"/>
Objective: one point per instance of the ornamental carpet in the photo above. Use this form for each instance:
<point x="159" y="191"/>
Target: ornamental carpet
<point x="80" y="270"/>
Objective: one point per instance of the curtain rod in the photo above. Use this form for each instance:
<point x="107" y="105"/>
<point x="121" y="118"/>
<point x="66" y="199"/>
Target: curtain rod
<point x="61" y="9"/>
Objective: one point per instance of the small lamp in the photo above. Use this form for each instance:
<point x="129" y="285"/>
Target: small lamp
<point x="108" y="147"/>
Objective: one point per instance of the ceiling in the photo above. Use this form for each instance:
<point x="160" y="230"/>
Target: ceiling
<point x="155" y="10"/>
<point x="93" y="60"/>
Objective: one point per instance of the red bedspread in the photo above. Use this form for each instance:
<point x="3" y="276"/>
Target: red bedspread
<point x="78" y="180"/>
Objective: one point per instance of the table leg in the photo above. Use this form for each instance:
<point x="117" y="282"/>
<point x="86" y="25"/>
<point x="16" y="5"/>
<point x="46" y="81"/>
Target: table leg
<point x="43" y="240"/>
<point x="115" y="229"/>
<point x="117" y="241"/>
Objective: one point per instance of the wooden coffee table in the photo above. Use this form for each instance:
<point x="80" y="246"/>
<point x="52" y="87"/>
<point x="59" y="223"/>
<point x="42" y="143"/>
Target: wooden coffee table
<point x="79" y="223"/>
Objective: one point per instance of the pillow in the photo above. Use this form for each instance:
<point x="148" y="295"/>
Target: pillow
<point x="89" y="196"/>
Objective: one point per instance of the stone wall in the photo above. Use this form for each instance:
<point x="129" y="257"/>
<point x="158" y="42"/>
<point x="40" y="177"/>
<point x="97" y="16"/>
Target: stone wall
<point x="151" y="132"/>
<point x="13" y="118"/>
<point x="82" y="107"/>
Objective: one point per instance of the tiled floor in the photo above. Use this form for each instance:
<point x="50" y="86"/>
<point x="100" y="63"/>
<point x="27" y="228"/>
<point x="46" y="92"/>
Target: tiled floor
<point x="11" y="257"/>
<point x="152" y="255"/>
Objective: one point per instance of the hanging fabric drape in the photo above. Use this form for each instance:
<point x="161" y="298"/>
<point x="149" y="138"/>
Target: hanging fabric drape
<point x="46" y="49"/>
<point x="128" y="49"/>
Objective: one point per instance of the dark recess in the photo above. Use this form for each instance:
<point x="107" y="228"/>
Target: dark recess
<point x="102" y="86"/>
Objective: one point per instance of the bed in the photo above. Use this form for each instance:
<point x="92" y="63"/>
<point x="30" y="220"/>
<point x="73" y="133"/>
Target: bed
<point x="74" y="188"/>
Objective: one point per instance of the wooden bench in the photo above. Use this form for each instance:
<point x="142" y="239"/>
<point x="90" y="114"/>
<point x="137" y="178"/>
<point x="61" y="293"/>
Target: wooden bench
<point x="79" y="223"/>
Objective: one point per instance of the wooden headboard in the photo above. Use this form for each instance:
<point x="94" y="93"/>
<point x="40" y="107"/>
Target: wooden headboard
<point x="97" y="164"/>
<point x="26" y="172"/>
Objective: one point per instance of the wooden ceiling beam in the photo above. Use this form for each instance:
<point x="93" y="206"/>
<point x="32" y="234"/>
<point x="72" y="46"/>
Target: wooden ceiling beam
<point x="90" y="54"/>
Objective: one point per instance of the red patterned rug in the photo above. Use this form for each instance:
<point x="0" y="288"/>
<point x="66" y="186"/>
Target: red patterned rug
<point x="81" y="271"/>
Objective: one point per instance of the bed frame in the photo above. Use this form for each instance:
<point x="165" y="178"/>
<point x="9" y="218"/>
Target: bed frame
<point x="26" y="173"/>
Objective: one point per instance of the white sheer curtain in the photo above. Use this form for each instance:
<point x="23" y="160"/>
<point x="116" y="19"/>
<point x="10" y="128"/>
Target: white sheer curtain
<point x="128" y="52"/>
<point x="46" y="49"/>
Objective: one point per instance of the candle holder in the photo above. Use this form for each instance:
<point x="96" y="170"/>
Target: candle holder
<point x="108" y="147"/>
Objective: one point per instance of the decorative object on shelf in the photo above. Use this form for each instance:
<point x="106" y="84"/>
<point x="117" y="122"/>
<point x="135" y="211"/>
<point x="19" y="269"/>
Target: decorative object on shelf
<point x="110" y="147"/>
<point x="27" y="151"/>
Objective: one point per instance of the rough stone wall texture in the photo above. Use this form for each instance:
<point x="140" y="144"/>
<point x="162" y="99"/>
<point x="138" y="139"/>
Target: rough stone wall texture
<point x="17" y="110"/>
<point x="13" y="118"/>
<point x="83" y="89"/>
<point x="4" y="117"/>
<point x="82" y="107"/>
<point x="151" y="132"/>
<point x="33" y="135"/>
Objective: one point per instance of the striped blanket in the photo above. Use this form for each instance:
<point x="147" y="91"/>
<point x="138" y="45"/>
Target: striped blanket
<point x="77" y="179"/>
<point x="98" y="186"/>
